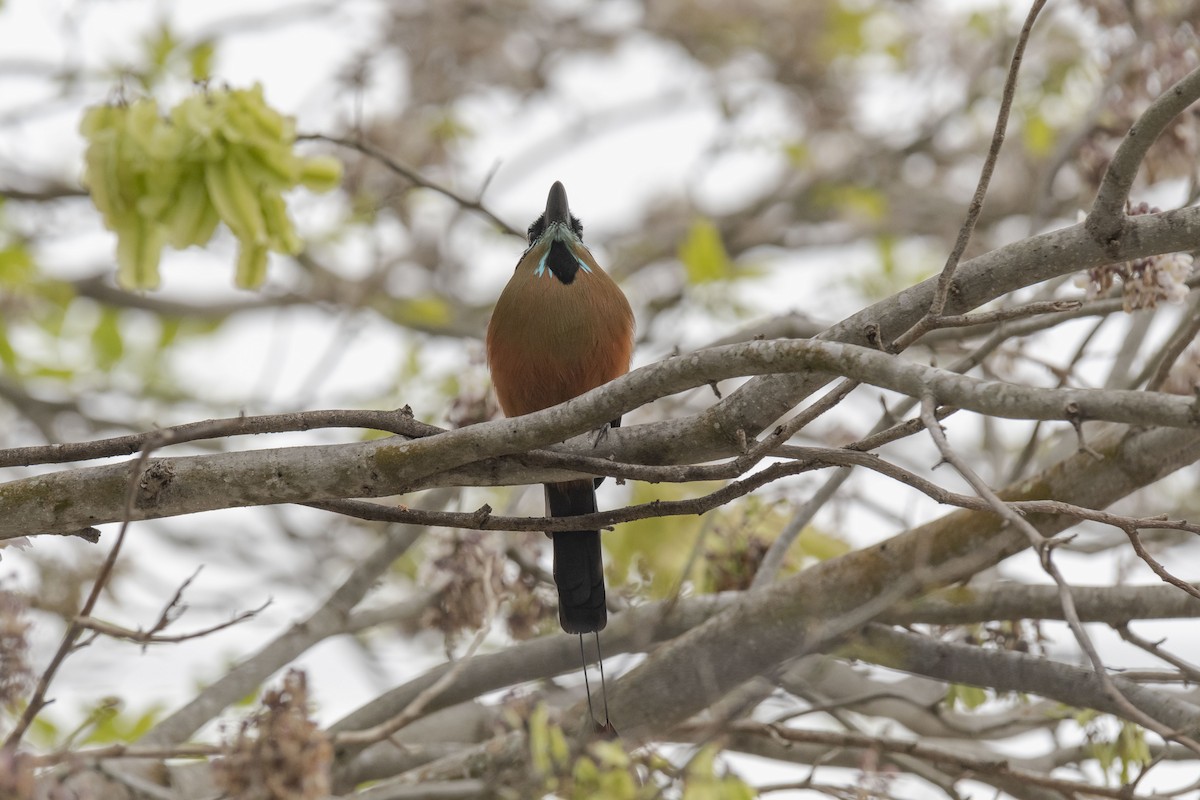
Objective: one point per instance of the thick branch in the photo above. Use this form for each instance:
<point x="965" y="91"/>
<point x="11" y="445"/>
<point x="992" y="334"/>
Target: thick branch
<point x="1114" y="605"/>
<point x="1008" y="671"/>
<point x="760" y="402"/>
<point x="71" y="500"/>
<point x="806" y="612"/>
<point x="993" y="765"/>
<point x="1107" y="217"/>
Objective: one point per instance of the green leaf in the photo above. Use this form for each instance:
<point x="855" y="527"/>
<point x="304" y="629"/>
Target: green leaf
<point x="139" y="250"/>
<point x="447" y="127"/>
<point x="43" y="732"/>
<point x="168" y="331"/>
<point x="897" y="270"/>
<point x="141" y="725"/>
<point x="702" y="781"/>
<point x="798" y="154"/>
<point x="1131" y="748"/>
<point x="251" y="265"/>
<point x="54" y="373"/>
<point x="8" y="356"/>
<point x="853" y="200"/>
<point x="107" y="342"/>
<point x="656" y="549"/>
<point x="843" y="34"/>
<point x="1038" y="135"/>
<point x="200" y="60"/>
<point x="539" y="740"/>
<point x="610" y="754"/>
<point x="968" y="697"/>
<point x="430" y="311"/>
<point x="103" y="719"/>
<point x="160" y="45"/>
<point x="16" y="265"/>
<point x="113" y="724"/>
<point x="703" y="253"/>
<point x="821" y="546"/>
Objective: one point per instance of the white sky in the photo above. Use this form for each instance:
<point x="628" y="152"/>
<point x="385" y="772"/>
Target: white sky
<point x="609" y="178"/>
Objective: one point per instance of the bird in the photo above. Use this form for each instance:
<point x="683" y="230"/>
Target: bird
<point x="562" y="327"/>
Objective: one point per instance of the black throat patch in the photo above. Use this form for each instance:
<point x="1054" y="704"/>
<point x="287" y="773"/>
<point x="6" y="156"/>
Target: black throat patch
<point x="561" y="262"/>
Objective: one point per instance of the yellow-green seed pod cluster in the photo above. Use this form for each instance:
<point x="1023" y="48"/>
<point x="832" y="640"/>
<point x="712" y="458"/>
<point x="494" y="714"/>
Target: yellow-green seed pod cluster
<point x="221" y="155"/>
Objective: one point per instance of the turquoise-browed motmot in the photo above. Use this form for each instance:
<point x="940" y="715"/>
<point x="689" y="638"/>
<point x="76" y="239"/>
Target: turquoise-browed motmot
<point x="561" y="327"/>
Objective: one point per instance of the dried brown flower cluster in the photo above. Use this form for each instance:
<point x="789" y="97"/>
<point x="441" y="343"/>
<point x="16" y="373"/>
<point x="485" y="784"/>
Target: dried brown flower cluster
<point x="1021" y="636"/>
<point x="477" y="579"/>
<point x="732" y="566"/>
<point x="1144" y="281"/>
<point x="1162" y="50"/>
<point x="528" y="607"/>
<point x="15" y="675"/>
<point x="279" y="753"/>
<point x="471" y="572"/>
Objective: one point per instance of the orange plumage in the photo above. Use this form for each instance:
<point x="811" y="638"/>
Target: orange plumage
<point x="550" y="341"/>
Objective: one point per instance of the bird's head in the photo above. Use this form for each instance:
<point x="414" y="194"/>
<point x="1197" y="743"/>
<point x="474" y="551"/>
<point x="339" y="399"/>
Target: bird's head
<point x="556" y="238"/>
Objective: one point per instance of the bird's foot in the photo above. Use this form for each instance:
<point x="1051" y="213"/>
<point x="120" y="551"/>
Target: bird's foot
<point x="601" y="434"/>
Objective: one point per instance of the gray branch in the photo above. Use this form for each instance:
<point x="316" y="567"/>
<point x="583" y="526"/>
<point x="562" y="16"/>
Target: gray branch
<point x="1008" y="671"/>
<point x="1114" y="605"/>
<point x="756" y="405"/>
<point x="70" y="500"/>
<point x="809" y="611"/>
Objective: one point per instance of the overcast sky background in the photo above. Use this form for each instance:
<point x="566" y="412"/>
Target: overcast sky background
<point x="284" y="367"/>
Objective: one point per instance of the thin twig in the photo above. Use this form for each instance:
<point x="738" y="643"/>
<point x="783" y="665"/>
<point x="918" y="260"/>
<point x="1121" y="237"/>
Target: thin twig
<point x="151" y="637"/>
<point x="174" y="607"/>
<point x="995" y="765"/>
<point x="946" y="278"/>
<point x="805" y="459"/>
<point x="1131" y="531"/>
<point x="416" y="708"/>
<point x="413" y="464"/>
<point x="1189" y="671"/>
<point x="1026" y="455"/>
<point x="999" y="315"/>
<point x="138" y="786"/>
<point x="1044" y="548"/>
<point x="399" y="421"/>
<point x="333" y="617"/>
<point x="1106" y="221"/>
<point x="1159" y="368"/>
<point x="38" y="701"/>
<point x="411" y="174"/>
<point x="127" y="751"/>
<point x="773" y="560"/>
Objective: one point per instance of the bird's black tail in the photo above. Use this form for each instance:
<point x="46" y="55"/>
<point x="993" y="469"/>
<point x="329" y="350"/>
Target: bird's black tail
<point x="578" y="567"/>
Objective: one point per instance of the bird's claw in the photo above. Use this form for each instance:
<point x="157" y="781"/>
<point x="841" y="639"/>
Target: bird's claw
<point x="601" y="434"/>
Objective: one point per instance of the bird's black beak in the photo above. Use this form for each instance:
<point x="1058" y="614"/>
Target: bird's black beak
<point x="557" y="209"/>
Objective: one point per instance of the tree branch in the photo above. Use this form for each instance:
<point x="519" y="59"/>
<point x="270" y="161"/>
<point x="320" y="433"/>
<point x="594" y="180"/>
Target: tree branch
<point x="1106" y="222"/>
<point x="329" y="619"/>
<point x="946" y="277"/>
<point x="1115" y="605"/>
<point x="71" y="500"/>
<point x="413" y="175"/>
<point x="804" y="613"/>
<point x="1008" y="671"/>
<point x="760" y="402"/>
